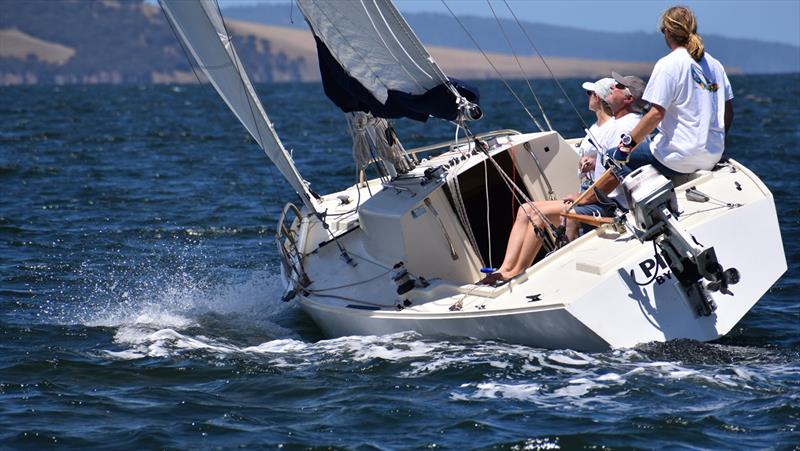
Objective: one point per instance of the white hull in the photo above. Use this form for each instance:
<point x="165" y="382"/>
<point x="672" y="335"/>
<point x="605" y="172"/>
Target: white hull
<point x="405" y="254"/>
<point x="587" y="296"/>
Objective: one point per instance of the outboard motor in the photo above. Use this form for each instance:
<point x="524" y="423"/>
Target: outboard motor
<point x="655" y="211"/>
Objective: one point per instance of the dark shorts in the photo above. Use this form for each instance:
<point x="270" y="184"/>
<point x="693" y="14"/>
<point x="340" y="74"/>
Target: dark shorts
<point x="595" y="210"/>
<point x="642" y="157"/>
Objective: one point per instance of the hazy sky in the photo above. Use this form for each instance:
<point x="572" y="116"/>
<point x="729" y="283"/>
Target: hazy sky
<point x="767" y="20"/>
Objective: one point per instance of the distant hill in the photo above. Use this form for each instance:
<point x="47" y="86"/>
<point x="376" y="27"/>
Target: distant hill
<point x="746" y="55"/>
<point x="111" y="41"/>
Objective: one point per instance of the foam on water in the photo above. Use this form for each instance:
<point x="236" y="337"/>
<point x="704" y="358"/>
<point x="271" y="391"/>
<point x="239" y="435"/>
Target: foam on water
<point x="137" y="309"/>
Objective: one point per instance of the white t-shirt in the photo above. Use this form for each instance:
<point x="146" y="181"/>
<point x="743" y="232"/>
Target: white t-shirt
<point x="692" y="132"/>
<point x="623" y="125"/>
<point x="600" y="133"/>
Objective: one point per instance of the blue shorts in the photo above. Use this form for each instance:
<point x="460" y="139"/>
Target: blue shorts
<point x="642" y="157"/>
<point x="595" y="210"/>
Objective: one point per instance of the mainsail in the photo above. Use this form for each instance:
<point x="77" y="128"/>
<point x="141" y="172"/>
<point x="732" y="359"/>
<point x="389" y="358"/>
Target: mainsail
<point x="200" y="27"/>
<point x="372" y="61"/>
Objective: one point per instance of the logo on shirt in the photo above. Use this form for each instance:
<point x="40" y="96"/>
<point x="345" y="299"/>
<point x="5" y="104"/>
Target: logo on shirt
<point x="702" y="81"/>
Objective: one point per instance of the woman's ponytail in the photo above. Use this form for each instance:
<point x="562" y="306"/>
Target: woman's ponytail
<point x="680" y="25"/>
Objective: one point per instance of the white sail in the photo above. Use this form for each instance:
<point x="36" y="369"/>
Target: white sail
<point x="201" y="29"/>
<point x="374" y="44"/>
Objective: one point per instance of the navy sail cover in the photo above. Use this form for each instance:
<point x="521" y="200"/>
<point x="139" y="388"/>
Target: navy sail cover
<point x="350" y="95"/>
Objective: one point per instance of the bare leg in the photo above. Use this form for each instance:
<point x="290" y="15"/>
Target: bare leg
<point x="519" y="231"/>
<point x="523" y="243"/>
<point x="572" y="229"/>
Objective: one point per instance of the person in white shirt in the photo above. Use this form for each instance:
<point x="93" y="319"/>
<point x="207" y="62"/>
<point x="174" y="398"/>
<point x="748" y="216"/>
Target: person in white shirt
<point x="597" y="140"/>
<point x="599" y="132"/>
<point x="625" y="100"/>
<point x="524" y="242"/>
<point x="691" y="101"/>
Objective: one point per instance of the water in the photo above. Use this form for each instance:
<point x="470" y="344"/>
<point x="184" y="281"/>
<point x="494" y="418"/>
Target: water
<point x="139" y="300"/>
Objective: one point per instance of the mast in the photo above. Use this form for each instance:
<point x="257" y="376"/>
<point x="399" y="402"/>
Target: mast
<point x="200" y="27"/>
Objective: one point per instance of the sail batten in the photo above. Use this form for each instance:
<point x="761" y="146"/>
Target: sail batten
<point x="200" y="27"/>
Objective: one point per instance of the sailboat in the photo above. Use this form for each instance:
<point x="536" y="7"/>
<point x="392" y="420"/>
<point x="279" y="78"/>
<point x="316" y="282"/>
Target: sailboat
<point x="403" y="251"/>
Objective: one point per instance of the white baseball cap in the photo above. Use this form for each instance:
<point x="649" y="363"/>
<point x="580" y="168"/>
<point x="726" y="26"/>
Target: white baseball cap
<point x="601" y="87"/>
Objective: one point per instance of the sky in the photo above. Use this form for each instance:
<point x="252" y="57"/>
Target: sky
<point x="766" y="20"/>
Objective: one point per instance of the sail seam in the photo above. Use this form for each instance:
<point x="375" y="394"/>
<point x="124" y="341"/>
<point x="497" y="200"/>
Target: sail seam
<point x="402" y="66"/>
<point x="355" y="51"/>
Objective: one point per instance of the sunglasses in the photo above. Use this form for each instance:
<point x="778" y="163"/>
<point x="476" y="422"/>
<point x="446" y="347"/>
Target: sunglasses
<point x="622" y="87"/>
<point x="589" y="93"/>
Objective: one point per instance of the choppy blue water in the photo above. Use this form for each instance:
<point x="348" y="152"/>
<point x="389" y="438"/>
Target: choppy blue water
<point x="139" y="300"/>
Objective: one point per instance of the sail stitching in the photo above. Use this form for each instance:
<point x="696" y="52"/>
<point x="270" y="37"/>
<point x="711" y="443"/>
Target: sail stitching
<point x="422" y="51"/>
<point x="355" y="51"/>
<point x="380" y="35"/>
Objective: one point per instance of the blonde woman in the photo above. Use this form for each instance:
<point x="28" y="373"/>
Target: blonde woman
<point x="691" y="101"/>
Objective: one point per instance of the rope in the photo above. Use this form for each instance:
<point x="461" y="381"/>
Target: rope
<point x="349" y="299"/>
<point x="392" y="153"/>
<point x="488" y="221"/>
<point x="461" y="210"/>
<point x="550" y="227"/>
<point x="516" y="191"/>
<point x="317" y="290"/>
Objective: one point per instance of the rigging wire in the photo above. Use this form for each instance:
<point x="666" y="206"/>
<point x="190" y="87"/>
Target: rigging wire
<point x="552" y="75"/>
<point x="518" y="193"/>
<point x="360" y="282"/>
<point x="524" y="75"/>
<point x="513" y="93"/>
<point x="180" y="42"/>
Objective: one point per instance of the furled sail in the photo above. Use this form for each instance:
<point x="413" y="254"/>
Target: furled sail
<point x="200" y="27"/>
<point x="372" y="61"/>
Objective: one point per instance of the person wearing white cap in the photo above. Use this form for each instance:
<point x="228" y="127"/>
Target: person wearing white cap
<point x="625" y="100"/>
<point x="691" y="100"/>
<point x="599" y="137"/>
<point x="524" y="242"/>
<point x="598" y="133"/>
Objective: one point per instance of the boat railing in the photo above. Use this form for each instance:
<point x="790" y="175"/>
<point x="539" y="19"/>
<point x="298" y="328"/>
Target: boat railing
<point x="287" y="240"/>
<point x="445" y="144"/>
<point x="462" y="141"/>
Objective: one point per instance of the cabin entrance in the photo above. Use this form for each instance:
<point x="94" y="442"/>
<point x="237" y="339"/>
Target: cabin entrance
<point x="475" y="183"/>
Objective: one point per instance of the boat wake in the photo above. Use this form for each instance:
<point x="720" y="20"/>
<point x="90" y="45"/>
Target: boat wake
<point x="236" y="320"/>
<point x="485" y="371"/>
